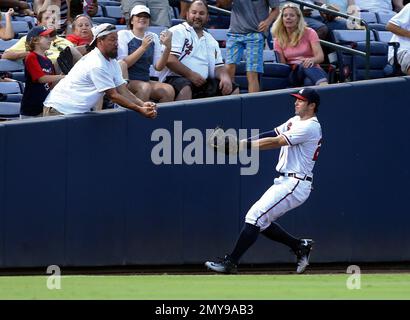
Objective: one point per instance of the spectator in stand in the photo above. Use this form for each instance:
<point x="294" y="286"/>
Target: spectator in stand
<point x="383" y="6"/>
<point x="250" y="23"/>
<point x="343" y="6"/>
<point x="88" y="7"/>
<point x="21" y="7"/>
<point x="82" y="34"/>
<point x="195" y="65"/>
<point x="39" y="72"/>
<point x="6" y="32"/>
<point x="298" y="46"/>
<point x="160" y="10"/>
<point x="138" y="49"/>
<point x="314" y="20"/>
<point x="94" y="76"/>
<point x="62" y="14"/>
<point x="400" y="26"/>
<point x="18" y="52"/>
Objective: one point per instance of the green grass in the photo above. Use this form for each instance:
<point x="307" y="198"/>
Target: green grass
<point x="198" y="287"/>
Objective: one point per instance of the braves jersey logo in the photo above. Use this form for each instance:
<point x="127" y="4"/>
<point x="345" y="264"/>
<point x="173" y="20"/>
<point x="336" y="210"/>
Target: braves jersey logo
<point x="288" y="126"/>
<point x="187" y="48"/>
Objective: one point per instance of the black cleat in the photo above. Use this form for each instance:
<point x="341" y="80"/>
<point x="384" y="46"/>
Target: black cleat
<point x="303" y="254"/>
<point x="225" y="265"/>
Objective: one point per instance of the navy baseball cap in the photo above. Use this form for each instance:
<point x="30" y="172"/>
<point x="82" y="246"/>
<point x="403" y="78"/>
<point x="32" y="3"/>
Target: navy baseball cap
<point x="39" y="31"/>
<point x="309" y="95"/>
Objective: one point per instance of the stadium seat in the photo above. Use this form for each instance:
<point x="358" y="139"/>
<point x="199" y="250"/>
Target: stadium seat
<point x="109" y="3"/>
<point x="354" y="66"/>
<point x="11" y="97"/>
<point x="383" y="17"/>
<point x="270" y="56"/>
<point x="372" y="21"/>
<point x="156" y="29"/>
<point x="220" y="36"/>
<point x="9" y="110"/>
<point x="20" y="27"/>
<point x="100" y="12"/>
<point x="18" y="75"/>
<point x="384" y="36"/>
<point x="100" y="20"/>
<point x="10" y="66"/>
<point x="218" y="22"/>
<point x="348" y="38"/>
<point x="10" y="87"/>
<point x="113" y="12"/>
<point x="5" y="44"/>
<point x="121" y="27"/>
<point x="275" y="76"/>
<point x="175" y="21"/>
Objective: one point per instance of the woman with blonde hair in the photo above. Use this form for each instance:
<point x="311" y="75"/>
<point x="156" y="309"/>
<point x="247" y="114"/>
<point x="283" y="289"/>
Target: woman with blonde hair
<point x="298" y="46"/>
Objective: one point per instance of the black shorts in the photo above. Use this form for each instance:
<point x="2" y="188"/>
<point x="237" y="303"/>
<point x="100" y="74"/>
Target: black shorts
<point x="209" y="89"/>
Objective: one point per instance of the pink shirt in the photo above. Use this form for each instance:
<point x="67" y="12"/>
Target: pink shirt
<point x="302" y="50"/>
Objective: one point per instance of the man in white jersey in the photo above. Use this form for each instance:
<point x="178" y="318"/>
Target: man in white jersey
<point x="300" y="139"/>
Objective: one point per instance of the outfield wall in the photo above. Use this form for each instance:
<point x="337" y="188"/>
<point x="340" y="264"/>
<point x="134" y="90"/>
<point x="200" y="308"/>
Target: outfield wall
<point x="83" y="191"/>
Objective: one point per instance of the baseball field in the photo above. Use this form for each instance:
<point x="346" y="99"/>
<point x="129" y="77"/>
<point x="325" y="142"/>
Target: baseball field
<point x="205" y="287"/>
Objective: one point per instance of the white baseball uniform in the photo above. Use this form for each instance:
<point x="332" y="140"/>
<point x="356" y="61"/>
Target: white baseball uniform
<point x="298" y="158"/>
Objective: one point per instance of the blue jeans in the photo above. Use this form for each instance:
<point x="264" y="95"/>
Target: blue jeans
<point x="301" y="76"/>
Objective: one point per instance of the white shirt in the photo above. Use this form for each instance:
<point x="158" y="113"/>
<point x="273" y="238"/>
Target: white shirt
<point x="201" y="55"/>
<point x="85" y="84"/>
<point x="402" y="20"/>
<point x="304" y="138"/>
<point x="125" y="36"/>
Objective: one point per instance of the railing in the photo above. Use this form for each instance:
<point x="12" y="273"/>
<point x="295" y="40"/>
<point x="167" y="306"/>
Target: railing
<point x="339" y="47"/>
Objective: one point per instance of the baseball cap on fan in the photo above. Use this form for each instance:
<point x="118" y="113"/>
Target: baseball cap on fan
<point x="39" y="31"/>
<point x="308" y="94"/>
<point x="139" y="8"/>
<point x="102" y="30"/>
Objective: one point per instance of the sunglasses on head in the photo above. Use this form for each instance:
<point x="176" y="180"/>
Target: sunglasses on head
<point x="110" y="27"/>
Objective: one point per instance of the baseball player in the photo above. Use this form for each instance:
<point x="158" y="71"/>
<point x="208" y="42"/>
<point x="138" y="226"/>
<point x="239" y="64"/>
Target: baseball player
<point x="300" y="139"/>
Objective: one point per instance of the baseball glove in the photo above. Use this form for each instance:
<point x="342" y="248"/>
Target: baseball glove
<point x="223" y="142"/>
<point x="65" y="60"/>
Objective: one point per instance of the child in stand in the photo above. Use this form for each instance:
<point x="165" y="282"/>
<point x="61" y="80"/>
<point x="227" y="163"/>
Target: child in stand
<point x="39" y="72"/>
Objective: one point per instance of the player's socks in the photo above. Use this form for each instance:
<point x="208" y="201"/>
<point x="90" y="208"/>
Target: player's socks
<point x="247" y="237"/>
<point x="276" y="233"/>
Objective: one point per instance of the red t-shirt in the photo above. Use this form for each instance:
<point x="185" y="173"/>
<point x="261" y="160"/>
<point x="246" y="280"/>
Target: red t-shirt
<point x="77" y="40"/>
<point x="38" y="66"/>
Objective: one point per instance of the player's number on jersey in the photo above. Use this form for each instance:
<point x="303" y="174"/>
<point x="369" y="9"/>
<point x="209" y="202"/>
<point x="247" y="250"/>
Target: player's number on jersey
<point x="316" y="155"/>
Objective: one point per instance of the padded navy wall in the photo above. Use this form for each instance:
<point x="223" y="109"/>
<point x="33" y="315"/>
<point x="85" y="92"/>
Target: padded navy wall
<point x="83" y="190"/>
<point x="95" y="217"/>
<point x="34" y="195"/>
<point x="2" y="185"/>
<point x="171" y="208"/>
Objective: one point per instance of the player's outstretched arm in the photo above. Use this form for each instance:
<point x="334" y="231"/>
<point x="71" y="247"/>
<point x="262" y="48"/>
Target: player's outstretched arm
<point x="266" y="143"/>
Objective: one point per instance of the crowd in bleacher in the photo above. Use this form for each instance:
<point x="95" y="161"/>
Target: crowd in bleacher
<point x="260" y="45"/>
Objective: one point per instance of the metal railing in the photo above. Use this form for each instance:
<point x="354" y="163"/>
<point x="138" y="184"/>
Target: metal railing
<point x="362" y="22"/>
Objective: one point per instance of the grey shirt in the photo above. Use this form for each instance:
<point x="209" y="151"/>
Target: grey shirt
<point x="247" y="14"/>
